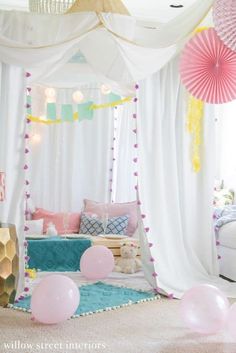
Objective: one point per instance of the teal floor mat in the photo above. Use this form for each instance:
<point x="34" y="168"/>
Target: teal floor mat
<point x="100" y="297"/>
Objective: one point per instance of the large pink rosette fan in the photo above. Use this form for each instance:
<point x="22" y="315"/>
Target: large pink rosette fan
<point x="224" y="17"/>
<point x="208" y="68"/>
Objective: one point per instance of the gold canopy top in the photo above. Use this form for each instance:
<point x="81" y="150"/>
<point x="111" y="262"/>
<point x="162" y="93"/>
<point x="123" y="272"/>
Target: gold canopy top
<point x="113" y="6"/>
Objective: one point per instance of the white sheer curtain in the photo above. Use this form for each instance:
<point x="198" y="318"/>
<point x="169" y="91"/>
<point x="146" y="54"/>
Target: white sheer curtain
<point x="12" y="88"/>
<point x="124" y="168"/>
<point x="177" y="202"/>
<point x="72" y="160"/>
<point x="226" y="144"/>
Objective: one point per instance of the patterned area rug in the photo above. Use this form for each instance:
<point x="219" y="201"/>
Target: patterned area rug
<point x="98" y="297"/>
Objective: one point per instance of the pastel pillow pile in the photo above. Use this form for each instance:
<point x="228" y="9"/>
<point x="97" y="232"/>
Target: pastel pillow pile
<point x="34" y="227"/>
<point x="122" y="219"/>
<point x="115" y="210"/>
<point x="72" y="220"/>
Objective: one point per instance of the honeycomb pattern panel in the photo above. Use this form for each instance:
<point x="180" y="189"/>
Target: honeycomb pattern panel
<point x="9" y="264"/>
<point x="11" y="249"/>
<point x="2" y="251"/>
<point x="5" y="237"/>
<point x="5" y="267"/>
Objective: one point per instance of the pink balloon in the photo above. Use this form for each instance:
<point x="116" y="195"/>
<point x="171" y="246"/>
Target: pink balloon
<point x="231" y="321"/>
<point x="55" y="299"/>
<point x="97" y="262"/>
<point x="204" y="309"/>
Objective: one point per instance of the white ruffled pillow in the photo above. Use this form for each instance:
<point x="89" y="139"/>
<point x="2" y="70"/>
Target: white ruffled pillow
<point x="34" y="227"/>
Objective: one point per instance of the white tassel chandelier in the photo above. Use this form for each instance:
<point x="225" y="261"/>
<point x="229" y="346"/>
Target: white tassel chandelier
<point x="70" y="6"/>
<point x="54" y="7"/>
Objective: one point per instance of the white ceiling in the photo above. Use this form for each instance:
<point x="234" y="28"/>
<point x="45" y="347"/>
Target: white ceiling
<point x="14" y="4"/>
<point x="158" y="10"/>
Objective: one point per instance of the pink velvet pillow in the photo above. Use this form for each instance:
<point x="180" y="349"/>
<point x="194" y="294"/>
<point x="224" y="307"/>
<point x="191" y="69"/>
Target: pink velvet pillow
<point x="72" y="220"/>
<point x="115" y="210"/>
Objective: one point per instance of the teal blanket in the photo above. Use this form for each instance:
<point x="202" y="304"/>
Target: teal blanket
<point x="100" y="297"/>
<point x="57" y="254"/>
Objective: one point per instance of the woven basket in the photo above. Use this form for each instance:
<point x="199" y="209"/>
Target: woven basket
<point x="50" y="6"/>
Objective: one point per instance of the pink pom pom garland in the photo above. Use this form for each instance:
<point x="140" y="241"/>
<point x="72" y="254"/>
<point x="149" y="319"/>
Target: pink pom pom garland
<point x="27" y="182"/>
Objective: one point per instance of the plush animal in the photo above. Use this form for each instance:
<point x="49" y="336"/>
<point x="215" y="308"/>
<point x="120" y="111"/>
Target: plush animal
<point x="51" y="229"/>
<point x="128" y="262"/>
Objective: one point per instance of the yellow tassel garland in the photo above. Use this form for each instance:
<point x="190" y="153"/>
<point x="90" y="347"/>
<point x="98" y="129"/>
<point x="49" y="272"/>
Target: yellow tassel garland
<point x="194" y="126"/>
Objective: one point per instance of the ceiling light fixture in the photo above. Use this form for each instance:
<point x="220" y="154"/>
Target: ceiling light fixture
<point x="177" y="6"/>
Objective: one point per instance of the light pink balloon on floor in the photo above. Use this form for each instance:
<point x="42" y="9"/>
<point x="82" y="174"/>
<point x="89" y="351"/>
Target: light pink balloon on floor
<point x="204" y="309"/>
<point x="231" y="321"/>
<point x="55" y="299"/>
<point x="97" y="262"/>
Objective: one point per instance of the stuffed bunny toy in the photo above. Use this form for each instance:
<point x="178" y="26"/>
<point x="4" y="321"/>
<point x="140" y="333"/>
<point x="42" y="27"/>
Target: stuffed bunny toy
<point x="128" y="262"/>
<point x="51" y="230"/>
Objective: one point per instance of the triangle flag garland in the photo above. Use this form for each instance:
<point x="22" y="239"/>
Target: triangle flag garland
<point x="70" y="112"/>
<point x="85" y="111"/>
<point x="51" y="111"/>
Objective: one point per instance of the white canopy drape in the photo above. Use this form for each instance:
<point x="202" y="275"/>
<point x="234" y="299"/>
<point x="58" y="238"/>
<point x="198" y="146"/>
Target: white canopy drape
<point x="179" y="224"/>
<point x="132" y="51"/>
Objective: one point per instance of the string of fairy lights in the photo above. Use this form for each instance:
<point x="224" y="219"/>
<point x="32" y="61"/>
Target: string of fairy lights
<point x="78" y="96"/>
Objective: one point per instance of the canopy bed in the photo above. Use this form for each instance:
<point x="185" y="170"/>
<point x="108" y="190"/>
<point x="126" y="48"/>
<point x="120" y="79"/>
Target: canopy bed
<point x="140" y="136"/>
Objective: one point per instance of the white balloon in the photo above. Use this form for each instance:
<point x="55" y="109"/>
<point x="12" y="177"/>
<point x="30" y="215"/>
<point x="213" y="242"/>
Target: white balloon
<point x="78" y="96"/>
<point x="105" y="89"/>
<point x="50" y="93"/>
<point x="36" y="138"/>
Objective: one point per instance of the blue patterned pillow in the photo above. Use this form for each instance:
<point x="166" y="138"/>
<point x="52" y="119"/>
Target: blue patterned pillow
<point x="117" y="225"/>
<point x="94" y="226"/>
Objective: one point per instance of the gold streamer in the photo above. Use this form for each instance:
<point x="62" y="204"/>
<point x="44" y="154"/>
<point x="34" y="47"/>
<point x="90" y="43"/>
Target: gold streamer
<point x="200" y="29"/>
<point x="195" y="122"/>
<point x="195" y="126"/>
<point x="110" y="105"/>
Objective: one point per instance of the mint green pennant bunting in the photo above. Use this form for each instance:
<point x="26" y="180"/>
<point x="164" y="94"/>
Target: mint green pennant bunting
<point x="51" y="111"/>
<point x="112" y="97"/>
<point x="29" y="105"/>
<point x="84" y="111"/>
<point x="67" y="112"/>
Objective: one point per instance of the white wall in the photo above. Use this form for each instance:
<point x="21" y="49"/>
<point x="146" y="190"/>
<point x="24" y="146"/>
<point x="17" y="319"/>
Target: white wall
<point x="226" y="144"/>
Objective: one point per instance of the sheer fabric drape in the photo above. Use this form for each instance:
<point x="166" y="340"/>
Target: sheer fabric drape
<point x="12" y="125"/>
<point x="72" y="161"/>
<point x="177" y="201"/>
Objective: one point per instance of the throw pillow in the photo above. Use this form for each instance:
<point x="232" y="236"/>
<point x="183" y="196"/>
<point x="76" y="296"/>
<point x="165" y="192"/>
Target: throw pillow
<point x="64" y="222"/>
<point x="95" y="226"/>
<point x="115" y="210"/>
<point x="34" y="227"/>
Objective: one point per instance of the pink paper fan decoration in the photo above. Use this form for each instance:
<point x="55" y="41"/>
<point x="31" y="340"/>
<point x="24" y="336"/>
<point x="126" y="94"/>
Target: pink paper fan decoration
<point x="208" y="68"/>
<point x="224" y="17"/>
